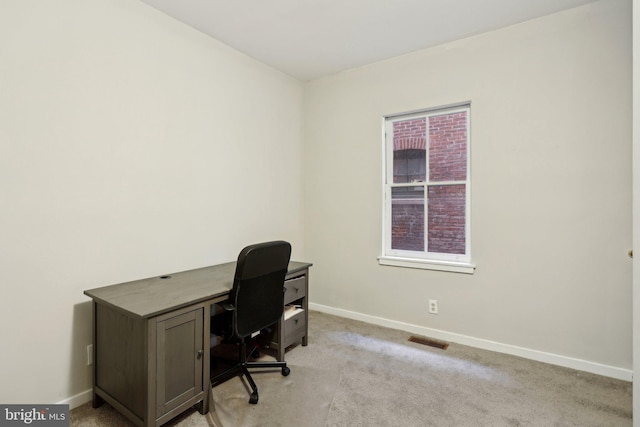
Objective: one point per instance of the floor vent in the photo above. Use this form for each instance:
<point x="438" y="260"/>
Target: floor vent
<point x="429" y="341"/>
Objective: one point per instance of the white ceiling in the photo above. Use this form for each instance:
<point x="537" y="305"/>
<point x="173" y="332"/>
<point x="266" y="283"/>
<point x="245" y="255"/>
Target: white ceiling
<point x="308" y="39"/>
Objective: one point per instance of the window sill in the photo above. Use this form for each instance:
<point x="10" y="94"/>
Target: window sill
<point x="451" y="266"/>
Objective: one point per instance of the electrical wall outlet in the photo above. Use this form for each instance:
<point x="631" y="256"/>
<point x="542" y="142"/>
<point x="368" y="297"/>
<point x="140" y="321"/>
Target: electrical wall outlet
<point x="90" y="354"/>
<point x="433" y="306"/>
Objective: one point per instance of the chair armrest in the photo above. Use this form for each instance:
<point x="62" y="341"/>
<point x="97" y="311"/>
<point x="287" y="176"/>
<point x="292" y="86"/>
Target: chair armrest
<point x="227" y="306"/>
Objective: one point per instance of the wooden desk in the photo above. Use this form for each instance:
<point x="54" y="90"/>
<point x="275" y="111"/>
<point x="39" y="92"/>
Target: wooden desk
<point x="151" y="339"/>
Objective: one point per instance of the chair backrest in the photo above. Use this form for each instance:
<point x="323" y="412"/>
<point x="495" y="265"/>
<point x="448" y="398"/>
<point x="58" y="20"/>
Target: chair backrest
<point x="258" y="286"/>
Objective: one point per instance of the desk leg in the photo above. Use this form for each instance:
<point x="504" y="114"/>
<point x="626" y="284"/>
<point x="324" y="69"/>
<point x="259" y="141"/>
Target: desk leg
<point x="203" y="406"/>
<point x="281" y="345"/>
<point x="96" y="401"/>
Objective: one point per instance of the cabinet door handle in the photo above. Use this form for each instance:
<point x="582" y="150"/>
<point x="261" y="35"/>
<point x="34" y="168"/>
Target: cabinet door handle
<point x="199" y="354"/>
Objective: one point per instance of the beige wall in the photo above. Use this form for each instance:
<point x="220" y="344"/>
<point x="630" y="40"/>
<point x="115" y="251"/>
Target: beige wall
<point x="551" y="190"/>
<point x="130" y="146"/>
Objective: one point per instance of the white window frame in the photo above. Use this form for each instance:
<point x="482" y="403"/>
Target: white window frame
<point x="413" y="259"/>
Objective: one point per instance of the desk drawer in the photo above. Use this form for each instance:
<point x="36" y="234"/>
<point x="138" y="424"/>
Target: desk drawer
<point x="295" y="288"/>
<point x="294" y="327"/>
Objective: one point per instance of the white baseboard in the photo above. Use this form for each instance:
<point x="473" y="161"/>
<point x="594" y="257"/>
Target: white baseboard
<point x="77" y="400"/>
<point x="540" y="356"/>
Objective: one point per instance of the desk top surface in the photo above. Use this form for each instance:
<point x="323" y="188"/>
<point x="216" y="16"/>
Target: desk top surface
<point x="156" y="295"/>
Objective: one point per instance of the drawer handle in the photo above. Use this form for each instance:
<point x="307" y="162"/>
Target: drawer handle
<point x="296" y="289"/>
<point x="296" y="321"/>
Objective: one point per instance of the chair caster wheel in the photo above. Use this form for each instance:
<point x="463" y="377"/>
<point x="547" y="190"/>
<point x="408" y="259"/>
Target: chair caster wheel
<point x="285" y="371"/>
<point x="254" y="398"/>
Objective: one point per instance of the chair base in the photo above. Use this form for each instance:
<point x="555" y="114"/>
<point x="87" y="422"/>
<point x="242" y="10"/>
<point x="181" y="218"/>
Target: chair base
<point x="242" y="368"/>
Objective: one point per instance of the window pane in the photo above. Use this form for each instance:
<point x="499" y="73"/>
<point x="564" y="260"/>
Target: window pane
<point x="446" y="212"/>
<point x="407" y="218"/>
<point x="409" y="166"/>
<point x="409" y="150"/>
<point x="448" y="147"/>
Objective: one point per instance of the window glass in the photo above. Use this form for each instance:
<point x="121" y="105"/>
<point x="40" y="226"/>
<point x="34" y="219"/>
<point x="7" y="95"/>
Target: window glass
<point x="446" y="229"/>
<point x="407" y="213"/>
<point x="448" y="147"/>
<point x="409" y="150"/>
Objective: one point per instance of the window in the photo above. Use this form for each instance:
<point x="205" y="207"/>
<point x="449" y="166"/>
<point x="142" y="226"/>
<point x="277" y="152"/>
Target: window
<point x="426" y="190"/>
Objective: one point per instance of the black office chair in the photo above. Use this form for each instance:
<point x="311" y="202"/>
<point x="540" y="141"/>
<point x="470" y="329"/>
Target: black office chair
<point x="255" y="303"/>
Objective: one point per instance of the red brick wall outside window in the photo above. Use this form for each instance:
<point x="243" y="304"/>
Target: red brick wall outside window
<point x="435" y="145"/>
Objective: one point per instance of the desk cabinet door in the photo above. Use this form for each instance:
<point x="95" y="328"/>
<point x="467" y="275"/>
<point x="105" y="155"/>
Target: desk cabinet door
<point x="180" y="359"/>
